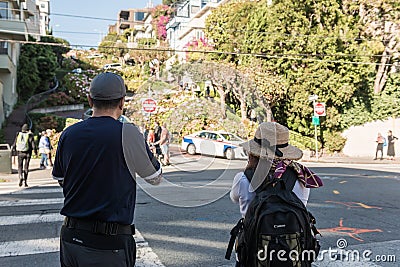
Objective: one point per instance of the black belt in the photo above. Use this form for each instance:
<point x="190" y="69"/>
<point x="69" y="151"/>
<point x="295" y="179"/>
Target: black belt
<point x="99" y="227"/>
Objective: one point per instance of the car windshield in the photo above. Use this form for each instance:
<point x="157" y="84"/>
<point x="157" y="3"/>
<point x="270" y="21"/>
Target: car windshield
<point x="230" y="137"/>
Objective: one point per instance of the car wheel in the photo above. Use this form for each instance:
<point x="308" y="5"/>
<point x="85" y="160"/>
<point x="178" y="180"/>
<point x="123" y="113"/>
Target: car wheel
<point x="191" y="149"/>
<point x="229" y="154"/>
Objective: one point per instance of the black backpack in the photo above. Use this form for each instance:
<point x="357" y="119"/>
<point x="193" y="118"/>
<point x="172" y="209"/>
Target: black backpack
<point x="277" y="229"/>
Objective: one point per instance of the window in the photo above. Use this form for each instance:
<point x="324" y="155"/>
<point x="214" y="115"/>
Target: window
<point x="139" y="16"/>
<point x="43" y="5"/>
<point x="3" y="10"/>
<point x="3" y="48"/>
<point x="213" y="136"/>
<point x="195" y="9"/>
<point x="203" y="135"/>
<point x="199" y="35"/>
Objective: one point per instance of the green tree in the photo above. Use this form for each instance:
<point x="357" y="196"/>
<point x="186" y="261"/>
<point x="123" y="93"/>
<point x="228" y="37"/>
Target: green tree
<point x="380" y="23"/>
<point x="37" y="66"/>
<point x="297" y="49"/>
<point x="169" y="2"/>
<point x="108" y="44"/>
<point x="226" y="28"/>
<point x="58" y="50"/>
<point x="27" y="74"/>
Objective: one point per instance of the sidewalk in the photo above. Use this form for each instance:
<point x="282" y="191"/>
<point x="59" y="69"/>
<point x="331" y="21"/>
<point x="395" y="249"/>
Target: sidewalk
<point x="351" y="160"/>
<point x="34" y="172"/>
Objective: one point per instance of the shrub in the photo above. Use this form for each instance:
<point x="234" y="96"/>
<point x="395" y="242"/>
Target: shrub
<point x="56" y="99"/>
<point x="42" y="122"/>
<point x="334" y="142"/>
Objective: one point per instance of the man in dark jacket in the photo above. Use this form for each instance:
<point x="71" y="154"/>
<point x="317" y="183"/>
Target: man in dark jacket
<point x="24" y="144"/>
<point x="96" y="164"/>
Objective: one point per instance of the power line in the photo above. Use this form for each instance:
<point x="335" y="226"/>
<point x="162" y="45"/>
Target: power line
<point x="72" y="32"/>
<point x="82" y="17"/>
<point x="234" y="30"/>
<point x="259" y="55"/>
<point x="302" y="55"/>
<point x="230" y="30"/>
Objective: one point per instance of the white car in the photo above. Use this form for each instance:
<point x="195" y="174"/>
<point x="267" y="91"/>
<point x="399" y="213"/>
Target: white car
<point x="214" y="143"/>
<point x="112" y="66"/>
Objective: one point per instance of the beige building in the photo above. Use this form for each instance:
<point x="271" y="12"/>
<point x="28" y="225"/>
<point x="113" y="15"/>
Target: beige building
<point x="18" y="20"/>
<point x="138" y="19"/>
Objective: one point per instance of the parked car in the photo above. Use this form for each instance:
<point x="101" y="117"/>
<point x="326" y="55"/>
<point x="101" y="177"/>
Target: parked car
<point x="112" y="66"/>
<point x="94" y="56"/>
<point x="214" y="143"/>
<point x="77" y="71"/>
<point x="89" y="112"/>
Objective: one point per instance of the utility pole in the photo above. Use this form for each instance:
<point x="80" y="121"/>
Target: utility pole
<point x="314" y="98"/>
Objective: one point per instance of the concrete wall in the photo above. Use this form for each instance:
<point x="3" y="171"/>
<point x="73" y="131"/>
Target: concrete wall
<point x="361" y="139"/>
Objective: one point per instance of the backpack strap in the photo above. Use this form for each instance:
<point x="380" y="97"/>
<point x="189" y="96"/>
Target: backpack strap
<point x="289" y="177"/>
<point x="234" y="233"/>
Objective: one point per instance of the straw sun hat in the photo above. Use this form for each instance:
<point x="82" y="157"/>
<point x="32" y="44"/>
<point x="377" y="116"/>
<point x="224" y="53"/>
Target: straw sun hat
<point x="271" y="140"/>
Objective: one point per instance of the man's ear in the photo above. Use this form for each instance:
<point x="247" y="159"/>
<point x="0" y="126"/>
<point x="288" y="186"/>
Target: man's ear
<point x="90" y="100"/>
<point x="121" y="103"/>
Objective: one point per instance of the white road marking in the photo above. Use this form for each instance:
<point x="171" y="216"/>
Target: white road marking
<point x="28" y="202"/>
<point x="29" y="247"/>
<point x="145" y="255"/>
<point x="37" y="191"/>
<point x="32" y="218"/>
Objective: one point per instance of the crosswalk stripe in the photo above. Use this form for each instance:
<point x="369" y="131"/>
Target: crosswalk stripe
<point x="28" y="202"/>
<point x="32" y="218"/>
<point x="37" y="191"/>
<point x="29" y="247"/>
<point x="145" y="255"/>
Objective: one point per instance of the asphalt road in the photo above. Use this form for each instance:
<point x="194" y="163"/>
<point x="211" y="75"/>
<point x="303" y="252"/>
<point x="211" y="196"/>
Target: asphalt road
<point x="186" y="220"/>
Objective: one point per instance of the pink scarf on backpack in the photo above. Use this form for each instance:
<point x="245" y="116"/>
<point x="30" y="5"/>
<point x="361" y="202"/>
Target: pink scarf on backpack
<point x="304" y="174"/>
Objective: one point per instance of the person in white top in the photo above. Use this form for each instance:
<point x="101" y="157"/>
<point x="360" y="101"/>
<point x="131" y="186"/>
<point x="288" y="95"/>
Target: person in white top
<point x="269" y="154"/>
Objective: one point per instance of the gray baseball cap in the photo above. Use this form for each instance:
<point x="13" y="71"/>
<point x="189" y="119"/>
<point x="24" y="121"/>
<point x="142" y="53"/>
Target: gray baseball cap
<point x="107" y="86"/>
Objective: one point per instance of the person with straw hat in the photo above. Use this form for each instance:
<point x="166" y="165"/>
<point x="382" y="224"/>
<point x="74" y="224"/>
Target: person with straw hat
<point x="269" y="155"/>
<point x="271" y="159"/>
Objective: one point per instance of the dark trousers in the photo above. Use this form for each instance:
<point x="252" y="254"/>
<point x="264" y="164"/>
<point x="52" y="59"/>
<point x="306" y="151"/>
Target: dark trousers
<point x="379" y="147"/>
<point x="80" y="248"/>
<point x="23" y="165"/>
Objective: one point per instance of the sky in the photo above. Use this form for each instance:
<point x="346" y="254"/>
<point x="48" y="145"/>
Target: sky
<point x="82" y="31"/>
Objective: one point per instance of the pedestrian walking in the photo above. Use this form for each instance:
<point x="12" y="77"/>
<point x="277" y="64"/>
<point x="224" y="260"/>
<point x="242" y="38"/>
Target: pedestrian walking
<point x="164" y="144"/>
<point x="207" y="91"/>
<point x="44" y="150"/>
<point x="151" y="139"/>
<point x="49" y="133"/>
<point x="157" y="132"/>
<point x="96" y="164"/>
<point x="390" y="142"/>
<point x="380" y="143"/>
<point x="271" y="163"/>
<point x="24" y="144"/>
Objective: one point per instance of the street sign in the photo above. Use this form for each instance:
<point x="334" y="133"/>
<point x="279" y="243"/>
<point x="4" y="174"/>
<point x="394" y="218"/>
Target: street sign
<point x="319" y="109"/>
<point x="149" y="105"/>
<point x="315" y="120"/>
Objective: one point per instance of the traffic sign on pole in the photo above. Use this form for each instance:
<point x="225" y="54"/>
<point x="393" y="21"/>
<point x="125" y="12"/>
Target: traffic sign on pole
<point x="149" y="105"/>
<point x="319" y="109"/>
<point x="315" y="120"/>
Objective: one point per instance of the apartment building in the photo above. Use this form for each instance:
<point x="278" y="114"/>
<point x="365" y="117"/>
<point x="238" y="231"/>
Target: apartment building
<point x="138" y="19"/>
<point x="44" y="13"/>
<point x="188" y="23"/>
<point x="18" y="20"/>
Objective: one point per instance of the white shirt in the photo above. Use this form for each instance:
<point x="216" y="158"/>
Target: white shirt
<point x="243" y="194"/>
